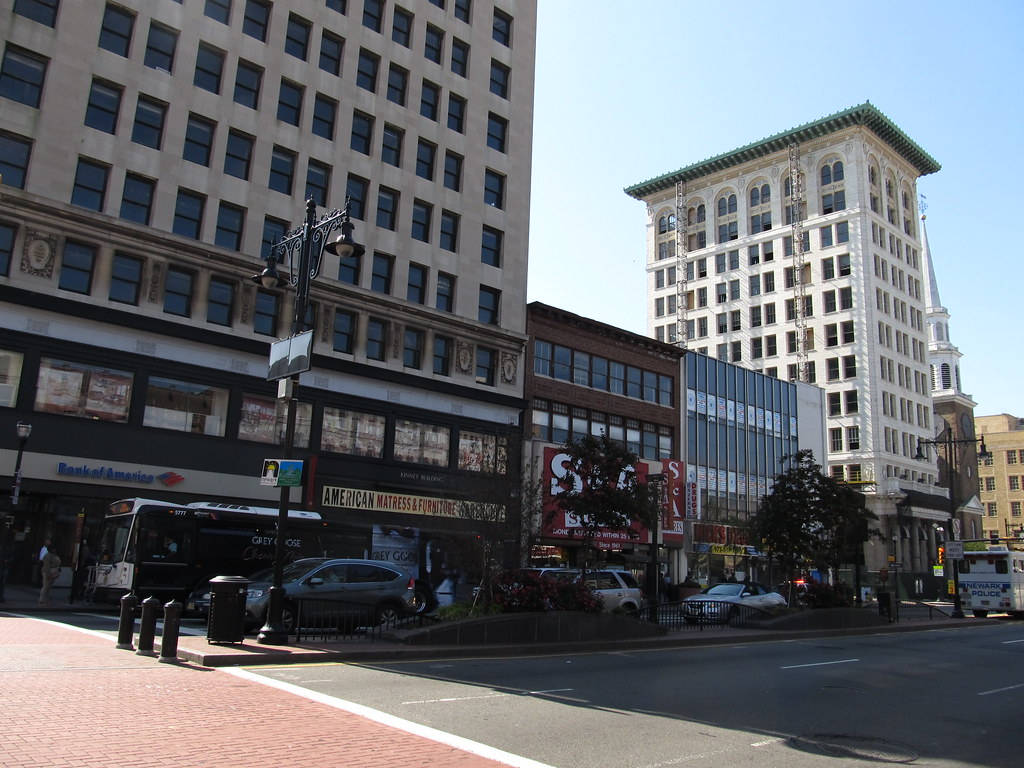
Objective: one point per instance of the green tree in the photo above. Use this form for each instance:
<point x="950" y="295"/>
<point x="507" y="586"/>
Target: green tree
<point x="601" y="487"/>
<point x="809" y="519"/>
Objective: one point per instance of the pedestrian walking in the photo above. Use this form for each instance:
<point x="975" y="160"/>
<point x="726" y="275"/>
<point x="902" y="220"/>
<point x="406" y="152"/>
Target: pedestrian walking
<point x="37" y="568"/>
<point x="50" y="570"/>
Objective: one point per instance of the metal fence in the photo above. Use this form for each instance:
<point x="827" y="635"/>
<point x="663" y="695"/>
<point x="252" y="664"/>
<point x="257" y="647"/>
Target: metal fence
<point x="703" y="614"/>
<point x="336" y="620"/>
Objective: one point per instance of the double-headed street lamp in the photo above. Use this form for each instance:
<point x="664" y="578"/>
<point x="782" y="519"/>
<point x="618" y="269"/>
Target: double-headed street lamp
<point x="23" y="431"/>
<point x="949" y="444"/>
<point x="302" y="250"/>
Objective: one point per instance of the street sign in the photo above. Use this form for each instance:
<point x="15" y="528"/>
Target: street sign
<point x="895" y="565"/>
<point x="291" y="356"/>
<point x="955" y="550"/>
<point x="281" y="472"/>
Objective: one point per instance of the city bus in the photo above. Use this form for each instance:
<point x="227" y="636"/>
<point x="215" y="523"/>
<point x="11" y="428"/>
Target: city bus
<point x="992" y="581"/>
<point x="166" y="550"/>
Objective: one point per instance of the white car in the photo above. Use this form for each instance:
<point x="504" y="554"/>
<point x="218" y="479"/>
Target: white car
<point x="617" y="589"/>
<point x="723" y="602"/>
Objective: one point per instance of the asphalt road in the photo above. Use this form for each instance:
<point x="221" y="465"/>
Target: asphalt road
<point x="935" y="698"/>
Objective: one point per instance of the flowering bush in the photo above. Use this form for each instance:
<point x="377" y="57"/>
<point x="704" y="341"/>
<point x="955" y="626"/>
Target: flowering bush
<point x="525" y="591"/>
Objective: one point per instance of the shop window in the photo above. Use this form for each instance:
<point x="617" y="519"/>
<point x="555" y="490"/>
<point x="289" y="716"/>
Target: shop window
<point x="185" y="407"/>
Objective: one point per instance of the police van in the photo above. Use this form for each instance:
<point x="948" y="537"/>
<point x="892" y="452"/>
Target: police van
<point x="992" y="581"/>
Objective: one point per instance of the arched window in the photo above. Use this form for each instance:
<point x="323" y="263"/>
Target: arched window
<point x="760" y="208"/>
<point x="728" y="227"/>
<point x="873" y="176"/>
<point x="837" y="171"/>
<point x="766" y="193"/>
<point x="755" y="197"/>
<point x="701" y="215"/>
<point x="833" y="196"/>
<point x="691" y="216"/>
<point x="722" y="206"/>
<point x="946" y="380"/>
<point x="662" y="226"/>
<point x="732" y="203"/>
<point x="826" y="175"/>
<point x="671" y="222"/>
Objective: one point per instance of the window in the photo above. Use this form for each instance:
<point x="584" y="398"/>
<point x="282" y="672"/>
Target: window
<point x="456" y="113"/>
<point x="1014" y="482"/>
<point x="198" y="140"/>
<point x="76" y="267"/>
<point x="265" y="312"/>
<point x="398" y="79"/>
<point x="502" y="28"/>
<point x="430" y="99"/>
<point x="835" y="407"/>
<point x="366" y="72"/>
<point x="412" y="348"/>
<point x="846" y="298"/>
<point x="421" y="213"/>
<point x="490" y="246"/>
<point x="375" y="339"/>
<point x="296" y="38"/>
<point x="387" y="208"/>
<point x="282" y="170"/>
<point x="331" y="48"/>
<point x="188" y="214"/>
<point x="289" y="103"/>
<point x="433" y="43"/>
<point x="425" y="153"/>
<point x="391" y="145"/>
<point x="21" y="76"/>
<point x="416" y="290"/>
<point x="362" y="133"/>
<point x="104" y="105"/>
<point x="442" y="355"/>
<point x="1011" y="457"/>
<point x="219" y="10"/>
<point x="318" y="182"/>
<point x="230" y="220"/>
<point x="220" y="301"/>
<point x="84" y="391"/>
<point x="490" y="299"/>
<point x="847" y="328"/>
<point x="43" y="11"/>
<point x="373" y="12"/>
<point x="209" y="67"/>
<point x="116" y="30"/>
<point x="449" y="231"/>
<point x="497" y="130"/>
<point x="160" y="47"/>
<point x="137" y="198"/>
<point x="349" y="268"/>
<point x="486" y="362"/>
<point x="185" y="407"/>
<point x="421" y="443"/>
<point x="380" y="280"/>
<point x="238" y="155"/>
<point x="453" y="171"/>
<point x="149" y="122"/>
<point x="401" y="27"/>
<point x="178" y="292"/>
<point x="247" y="84"/>
<point x="324" y="110"/>
<point x="256" y="19"/>
<point x="460" y="57"/>
<point x="851" y="400"/>
<point x="351" y="432"/>
<point x="125" y="279"/>
<point x="6" y="251"/>
<point x="844" y="264"/>
<point x="445" y="298"/>
<point x="355" y="192"/>
<point x="825" y="233"/>
<point x="833" y="201"/>
<point x="494" y="189"/>
<point x="90" y="185"/>
<point x="843" y="232"/>
<point x="462" y="8"/>
<point x="344" y="331"/>
<point x="990" y="483"/>
<point x="499" y="79"/>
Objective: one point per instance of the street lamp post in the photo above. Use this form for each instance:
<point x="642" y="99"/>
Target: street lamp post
<point x="948" y="444"/>
<point x="303" y="251"/>
<point x="24" y="431"/>
<point x="656" y="493"/>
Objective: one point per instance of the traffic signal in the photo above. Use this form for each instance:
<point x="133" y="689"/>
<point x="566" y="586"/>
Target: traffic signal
<point x="942" y="555"/>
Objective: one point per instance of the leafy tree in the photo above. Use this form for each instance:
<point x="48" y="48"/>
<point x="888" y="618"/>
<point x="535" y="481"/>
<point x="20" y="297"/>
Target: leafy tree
<point x="601" y="487"/>
<point x="811" y="519"/>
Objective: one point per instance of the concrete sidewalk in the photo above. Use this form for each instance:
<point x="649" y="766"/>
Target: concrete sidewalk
<point x="71" y="699"/>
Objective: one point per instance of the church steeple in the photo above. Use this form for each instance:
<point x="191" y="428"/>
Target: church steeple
<point x="943" y="355"/>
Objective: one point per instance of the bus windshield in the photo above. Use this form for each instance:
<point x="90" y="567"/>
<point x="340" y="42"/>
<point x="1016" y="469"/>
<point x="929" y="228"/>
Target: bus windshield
<point x="113" y="548"/>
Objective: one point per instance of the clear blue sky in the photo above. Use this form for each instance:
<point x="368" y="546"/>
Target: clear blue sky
<point x="628" y="91"/>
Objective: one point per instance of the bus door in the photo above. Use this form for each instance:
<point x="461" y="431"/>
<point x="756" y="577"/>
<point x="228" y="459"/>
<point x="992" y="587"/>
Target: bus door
<point x="166" y="542"/>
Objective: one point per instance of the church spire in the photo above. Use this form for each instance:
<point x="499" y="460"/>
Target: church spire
<point x="943" y="355"/>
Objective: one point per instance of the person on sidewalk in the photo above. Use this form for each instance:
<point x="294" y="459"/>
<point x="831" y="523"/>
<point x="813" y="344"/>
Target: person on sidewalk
<point x="50" y="568"/>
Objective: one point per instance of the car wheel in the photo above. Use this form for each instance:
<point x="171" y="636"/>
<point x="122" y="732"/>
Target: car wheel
<point x="388" y="615"/>
<point x="425" y="601"/>
<point x="980" y="614"/>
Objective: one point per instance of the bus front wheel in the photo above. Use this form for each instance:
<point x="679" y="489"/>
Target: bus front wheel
<point x="980" y="614"/>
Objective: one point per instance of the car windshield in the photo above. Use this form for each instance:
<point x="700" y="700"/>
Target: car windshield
<point x="296" y="570"/>
<point x="724" y="589"/>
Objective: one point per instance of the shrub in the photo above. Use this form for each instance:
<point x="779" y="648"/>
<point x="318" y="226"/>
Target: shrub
<point x="524" y="591"/>
<point x="457" y="611"/>
<point x="820" y="595"/>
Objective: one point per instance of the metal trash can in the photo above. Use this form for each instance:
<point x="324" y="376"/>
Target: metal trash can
<point x="227" y="609"/>
<point x="884" y="605"/>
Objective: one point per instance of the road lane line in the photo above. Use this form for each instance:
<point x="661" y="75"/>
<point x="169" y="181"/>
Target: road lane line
<point x="1001" y="690"/>
<point x="1010" y="642"/>
<point x="495" y="695"/>
<point x="441" y="737"/>
<point x="820" y="664"/>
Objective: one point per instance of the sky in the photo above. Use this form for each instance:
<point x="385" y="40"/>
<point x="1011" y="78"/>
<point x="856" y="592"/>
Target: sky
<point x="622" y="97"/>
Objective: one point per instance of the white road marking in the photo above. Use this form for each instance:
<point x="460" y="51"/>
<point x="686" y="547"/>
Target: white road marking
<point x="485" y="696"/>
<point x="1000" y="690"/>
<point x="1010" y="642"/>
<point x="441" y="737"/>
<point x="766" y="742"/>
<point x="821" y="664"/>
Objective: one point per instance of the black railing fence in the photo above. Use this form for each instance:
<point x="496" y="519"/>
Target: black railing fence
<point x="703" y="614"/>
<point x="334" y="620"/>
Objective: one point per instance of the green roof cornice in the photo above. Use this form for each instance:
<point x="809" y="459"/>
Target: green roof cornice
<point x="864" y="114"/>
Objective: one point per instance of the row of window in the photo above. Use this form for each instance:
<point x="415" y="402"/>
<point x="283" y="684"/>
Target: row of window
<point x="1013" y="483"/>
<point x="560" y="423"/>
<point x="905" y="409"/>
<point x="95" y="392"/>
<point x="588" y="370"/>
<point x="993" y="510"/>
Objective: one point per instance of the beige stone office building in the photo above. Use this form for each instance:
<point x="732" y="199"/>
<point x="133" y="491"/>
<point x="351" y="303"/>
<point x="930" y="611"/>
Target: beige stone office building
<point x="1001" y="475"/>
<point x="800" y="256"/>
<point x="151" y="152"/>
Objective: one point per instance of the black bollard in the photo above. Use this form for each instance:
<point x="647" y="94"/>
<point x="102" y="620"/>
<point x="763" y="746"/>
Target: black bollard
<point x="169" y="638"/>
<point x="126" y="624"/>
<point x="147" y="626"/>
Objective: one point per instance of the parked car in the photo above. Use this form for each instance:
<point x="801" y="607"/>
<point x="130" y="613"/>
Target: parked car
<point x="198" y="603"/>
<point x="617" y="589"/>
<point x="353" y="591"/>
<point x="723" y="602"/>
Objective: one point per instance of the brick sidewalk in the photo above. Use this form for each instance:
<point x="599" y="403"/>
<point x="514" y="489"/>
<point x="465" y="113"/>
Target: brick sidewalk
<point x="72" y="699"/>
